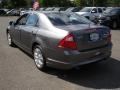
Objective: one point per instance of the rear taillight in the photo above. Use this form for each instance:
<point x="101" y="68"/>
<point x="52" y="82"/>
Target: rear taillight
<point x="68" y="42"/>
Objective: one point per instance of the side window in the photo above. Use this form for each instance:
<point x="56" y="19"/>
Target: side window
<point x="22" y="20"/>
<point x="32" y="20"/>
<point x="100" y="10"/>
<point x="94" y="10"/>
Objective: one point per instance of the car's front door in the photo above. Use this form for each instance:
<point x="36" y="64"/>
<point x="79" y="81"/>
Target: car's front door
<point x="17" y="28"/>
<point x="28" y="33"/>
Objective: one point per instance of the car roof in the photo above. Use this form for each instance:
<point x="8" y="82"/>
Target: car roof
<point x="112" y="8"/>
<point x="94" y="7"/>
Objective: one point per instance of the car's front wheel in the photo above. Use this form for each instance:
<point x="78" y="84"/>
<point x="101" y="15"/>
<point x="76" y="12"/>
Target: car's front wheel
<point x="39" y="58"/>
<point x="10" y="42"/>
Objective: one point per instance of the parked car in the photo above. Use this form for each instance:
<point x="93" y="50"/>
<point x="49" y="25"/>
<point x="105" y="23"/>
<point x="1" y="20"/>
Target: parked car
<point x="42" y="9"/>
<point x="60" y="40"/>
<point x="6" y="10"/>
<point x="73" y="9"/>
<point x="2" y="12"/>
<point x="49" y="9"/>
<point x="62" y="9"/>
<point x="13" y="12"/>
<point x="111" y="17"/>
<point x="91" y="12"/>
<point x="23" y="11"/>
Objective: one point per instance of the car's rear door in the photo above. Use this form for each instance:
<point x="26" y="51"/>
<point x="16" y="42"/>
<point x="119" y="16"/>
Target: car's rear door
<point x="28" y="33"/>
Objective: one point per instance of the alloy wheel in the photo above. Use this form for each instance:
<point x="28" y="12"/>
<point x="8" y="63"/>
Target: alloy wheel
<point x="38" y="58"/>
<point x="9" y="39"/>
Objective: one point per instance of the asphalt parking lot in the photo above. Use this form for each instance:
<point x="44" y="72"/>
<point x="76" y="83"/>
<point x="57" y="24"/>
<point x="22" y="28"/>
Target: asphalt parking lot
<point x="18" y="72"/>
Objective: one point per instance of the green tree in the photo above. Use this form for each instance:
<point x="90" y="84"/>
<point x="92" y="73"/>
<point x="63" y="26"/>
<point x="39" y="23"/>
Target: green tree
<point x="77" y="2"/>
<point x="90" y="2"/>
<point x="100" y="3"/>
<point x="81" y="3"/>
<point x="113" y="2"/>
<point x="13" y="3"/>
<point x="57" y="3"/>
<point x="18" y="3"/>
<point x="4" y="4"/>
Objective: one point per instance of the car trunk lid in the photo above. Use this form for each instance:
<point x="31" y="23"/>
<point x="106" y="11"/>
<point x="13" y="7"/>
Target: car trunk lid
<point x="92" y="38"/>
<point x="89" y="37"/>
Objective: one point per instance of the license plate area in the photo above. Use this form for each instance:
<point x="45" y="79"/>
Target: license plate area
<point x="94" y="37"/>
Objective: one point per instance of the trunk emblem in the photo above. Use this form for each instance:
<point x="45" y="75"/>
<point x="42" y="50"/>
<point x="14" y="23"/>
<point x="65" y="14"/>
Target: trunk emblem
<point x="94" y="37"/>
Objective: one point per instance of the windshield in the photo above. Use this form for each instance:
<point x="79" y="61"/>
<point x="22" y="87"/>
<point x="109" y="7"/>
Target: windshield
<point x="76" y="10"/>
<point x="110" y="11"/>
<point x="86" y="10"/>
<point x="59" y="19"/>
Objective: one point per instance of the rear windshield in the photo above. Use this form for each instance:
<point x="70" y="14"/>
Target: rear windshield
<point x="76" y="10"/>
<point x="67" y="19"/>
<point x="86" y="9"/>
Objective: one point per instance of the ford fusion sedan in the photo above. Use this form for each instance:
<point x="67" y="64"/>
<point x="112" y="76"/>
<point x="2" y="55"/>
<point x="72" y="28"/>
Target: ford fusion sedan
<point x="60" y="40"/>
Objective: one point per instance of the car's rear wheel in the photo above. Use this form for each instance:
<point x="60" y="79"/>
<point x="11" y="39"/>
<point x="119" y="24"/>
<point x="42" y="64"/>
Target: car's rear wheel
<point x="39" y="58"/>
<point x="10" y="42"/>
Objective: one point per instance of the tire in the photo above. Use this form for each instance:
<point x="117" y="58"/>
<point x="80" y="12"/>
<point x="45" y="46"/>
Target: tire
<point x="39" y="58"/>
<point x="114" y="25"/>
<point x="10" y="42"/>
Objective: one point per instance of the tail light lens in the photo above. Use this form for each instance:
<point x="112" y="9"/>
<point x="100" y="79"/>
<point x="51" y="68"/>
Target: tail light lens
<point x="68" y="42"/>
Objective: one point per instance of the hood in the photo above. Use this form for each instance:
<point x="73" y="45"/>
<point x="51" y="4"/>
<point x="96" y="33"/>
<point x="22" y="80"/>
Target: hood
<point x="81" y="13"/>
<point x="78" y="27"/>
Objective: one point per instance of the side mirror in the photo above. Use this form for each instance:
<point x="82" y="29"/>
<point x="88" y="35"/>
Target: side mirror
<point x="11" y="22"/>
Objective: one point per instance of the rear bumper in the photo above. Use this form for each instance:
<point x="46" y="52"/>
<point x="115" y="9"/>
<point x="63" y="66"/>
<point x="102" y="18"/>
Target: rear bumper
<point x="66" y="66"/>
<point x="81" y="58"/>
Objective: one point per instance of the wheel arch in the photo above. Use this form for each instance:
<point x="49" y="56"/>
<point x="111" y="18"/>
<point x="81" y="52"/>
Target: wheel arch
<point x="35" y="44"/>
